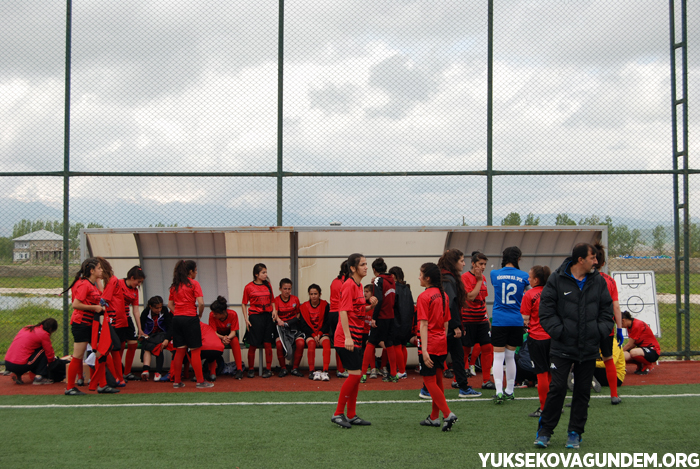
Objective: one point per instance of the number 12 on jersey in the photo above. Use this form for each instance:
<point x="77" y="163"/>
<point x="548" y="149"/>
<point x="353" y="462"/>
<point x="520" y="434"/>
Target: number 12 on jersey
<point x="507" y="292"/>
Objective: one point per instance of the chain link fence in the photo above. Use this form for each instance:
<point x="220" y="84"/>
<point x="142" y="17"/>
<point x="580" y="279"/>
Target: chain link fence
<point x="364" y="113"/>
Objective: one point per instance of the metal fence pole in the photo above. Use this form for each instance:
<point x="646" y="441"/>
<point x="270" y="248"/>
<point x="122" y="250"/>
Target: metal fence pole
<point x="280" y="108"/>
<point x="489" y="121"/>
<point x="66" y="175"/>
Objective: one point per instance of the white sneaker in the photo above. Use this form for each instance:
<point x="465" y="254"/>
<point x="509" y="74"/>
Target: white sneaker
<point x="472" y="370"/>
<point x="401" y="375"/>
<point x="373" y="373"/>
<point x="324" y="376"/>
<point x="317" y="376"/>
<point x="156" y="377"/>
<point x="384" y="372"/>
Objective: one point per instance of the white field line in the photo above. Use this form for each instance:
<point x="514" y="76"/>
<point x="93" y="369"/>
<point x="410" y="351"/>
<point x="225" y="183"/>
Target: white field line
<point x="215" y="404"/>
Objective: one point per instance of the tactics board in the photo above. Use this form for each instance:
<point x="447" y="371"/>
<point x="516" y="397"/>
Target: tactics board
<point x="637" y="291"/>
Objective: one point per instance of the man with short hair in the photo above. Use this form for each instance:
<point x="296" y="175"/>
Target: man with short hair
<point x="576" y="311"/>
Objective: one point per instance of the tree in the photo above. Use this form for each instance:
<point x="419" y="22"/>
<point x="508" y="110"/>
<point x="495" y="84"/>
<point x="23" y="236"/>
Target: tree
<point x="621" y="240"/>
<point x="659" y="239"/>
<point x="512" y="219"/>
<point x="694" y="240"/>
<point x="563" y="219"/>
<point x="531" y="220"/>
<point x="6" y="246"/>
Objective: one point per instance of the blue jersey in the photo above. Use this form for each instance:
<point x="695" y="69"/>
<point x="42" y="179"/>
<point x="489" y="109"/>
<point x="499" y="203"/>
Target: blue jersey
<point x="509" y="286"/>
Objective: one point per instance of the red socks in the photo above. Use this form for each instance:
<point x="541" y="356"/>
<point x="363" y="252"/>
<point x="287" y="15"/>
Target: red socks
<point x="348" y="392"/>
<point x="212" y="368"/>
<point x="268" y="356"/>
<point x="197" y="364"/>
<point x="476" y="350"/>
<point x="339" y="363"/>
<point x="437" y="395"/>
<point x="130" y="352"/>
<point x="236" y="348"/>
<point x="117" y="362"/>
<point x="543" y="380"/>
<point x="280" y="354"/>
<point x="298" y="352"/>
<point x="486" y="361"/>
<point x="326" y="344"/>
<point x="74" y="368"/>
<point x="311" y="355"/>
<point x="641" y="361"/>
<point x="402" y="358"/>
<point x="611" y="374"/>
<point x="176" y="365"/>
<point x="368" y="359"/>
<point x="251" y="357"/>
<point x="391" y="353"/>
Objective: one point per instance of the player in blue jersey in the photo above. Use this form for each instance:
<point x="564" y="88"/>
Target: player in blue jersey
<point x="509" y="284"/>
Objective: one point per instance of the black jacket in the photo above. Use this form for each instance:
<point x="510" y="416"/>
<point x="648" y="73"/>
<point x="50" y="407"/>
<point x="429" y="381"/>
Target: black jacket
<point x="576" y="320"/>
<point x="449" y="285"/>
<point x="404" y="313"/>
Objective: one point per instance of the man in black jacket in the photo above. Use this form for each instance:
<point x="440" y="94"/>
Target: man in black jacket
<point x="576" y="311"/>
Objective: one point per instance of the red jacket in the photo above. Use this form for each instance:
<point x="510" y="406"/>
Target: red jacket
<point x="26" y="342"/>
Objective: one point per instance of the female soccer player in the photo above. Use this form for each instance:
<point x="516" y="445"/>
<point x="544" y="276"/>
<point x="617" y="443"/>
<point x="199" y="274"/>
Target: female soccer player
<point x="186" y="301"/>
<point x="260" y="318"/>
<point x="212" y="350"/>
<point x="509" y="284"/>
<point x="113" y="294"/>
<point x="538" y="340"/>
<point x="224" y="321"/>
<point x="404" y="318"/>
<point x="349" y="334"/>
<point x="477" y="330"/>
<point x="31" y="350"/>
<point x="642" y="347"/>
<point x="130" y="289"/>
<point x="314" y="326"/>
<point x="433" y="319"/>
<point x="287" y="306"/>
<point x="156" y="324"/>
<point x="336" y="285"/>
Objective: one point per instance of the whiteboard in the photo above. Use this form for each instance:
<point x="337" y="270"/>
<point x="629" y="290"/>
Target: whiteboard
<point x="637" y="292"/>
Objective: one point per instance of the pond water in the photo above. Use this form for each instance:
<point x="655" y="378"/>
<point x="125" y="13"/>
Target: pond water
<point x="13" y="302"/>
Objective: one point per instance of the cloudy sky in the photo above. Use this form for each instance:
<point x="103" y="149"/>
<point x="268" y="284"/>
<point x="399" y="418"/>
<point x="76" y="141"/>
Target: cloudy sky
<point x="377" y="85"/>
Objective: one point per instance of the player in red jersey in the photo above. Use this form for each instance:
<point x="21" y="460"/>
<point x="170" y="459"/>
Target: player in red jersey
<point x="606" y="345"/>
<point x="31" y="351"/>
<point x="107" y="343"/>
<point x="287" y="306"/>
<point x="642" y="347"/>
<point x="336" y="285"/>
<point x="186" y="302"/>
<point x="538" y="341"/>
<point x="433" y="315"/>
<point x="476" y="319"/>
<point x="212" y="350"/>
<point x="260" y="318"/>
<point x="224" y="321"/>
<point x="349" y="333"/>
<point x="132" y="329"/>
<point x="314" y="326"/>
<point x="113" y="294"/>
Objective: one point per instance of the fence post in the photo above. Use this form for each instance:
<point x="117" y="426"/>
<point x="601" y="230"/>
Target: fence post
<point x="66" y="175"/>
<point x="489" y="121"/>
<point x="280" y="82"/>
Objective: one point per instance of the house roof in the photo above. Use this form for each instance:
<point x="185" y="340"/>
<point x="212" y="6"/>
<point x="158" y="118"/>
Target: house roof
<point x="41" y="235"/>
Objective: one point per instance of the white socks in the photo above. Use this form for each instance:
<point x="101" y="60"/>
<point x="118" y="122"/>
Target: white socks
<point x="498" y="358"/>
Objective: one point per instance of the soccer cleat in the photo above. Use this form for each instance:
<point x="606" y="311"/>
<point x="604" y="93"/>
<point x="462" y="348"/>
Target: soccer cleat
<point x="448" y="422"/>
<point x="644" y="371"/>
<point x="488" y="385"/>
<point x="390" y="379"/>
<point x="542" y="441"/>
<point x="130" y="377"/>
<point x="121" y="384"/>
<point x="107" y="390"/>
<point x="178" y="385"/>
<point x="212" y="377"/>
<point x="363" y="379"/>
<point x="424" y="394"/>
<point x="508" y="397"/>
<point x="384" y="372"/>
<point x="17" y="379"/>
<point x="144" y="376"/>
<point x="251" y="373"/>
<point x="80" y="382"/>
<point x="341" y="421"/>
<point x="157" y="377"/>
<point x="469" y="392"/>
<point x="454" y="385"/>
<point x="283" y="373"/>
<point x="499" y="398"/>
<point x="342" y="374"/>
<point x="165" y="377"/>
<point x="573" y="441"/>
<point x="74" y="392"/>
<point x="267" y="373"/>
<point x="193" y="379"/>
<point x="239" y="375"/>
<point x="428" y="422"/>
<point x="358" y="421"/>
<point x="596" y="385"/>
<point x="449" y="374"/>
<point x="324" y="376"/>
<point x="537" y="413"/>
<point x="615" y="400"/>
<point x="373" y="373"/>
<point x="472" y="370"/>
<point x="39" y="381"/>
<point x="204" y="385"/>
<point x="296" y="372"/>
<point x="402" y="375"/>
<point x="317" y="376"/>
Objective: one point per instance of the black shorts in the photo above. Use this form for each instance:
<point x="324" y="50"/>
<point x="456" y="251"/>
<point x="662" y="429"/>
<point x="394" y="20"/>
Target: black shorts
<point x="381" y="333"/>
<point x="262" y="329"/>
<point x="476" y="333"/>
<point x="211" y="355"/>
<point x="650" y="354"/>
<point x="539" y="354"/>
<point x="152" y="341"/>
<point x="351" y="360"/>
<point x="186" y="332"/>
<point x="507" y="335"/>
<point x="134" y="334"/>
<point x="81" y="332"/>
<point x="438" y="364"/>
<point x="332" y="324"/>
<point x="606" y="346"/>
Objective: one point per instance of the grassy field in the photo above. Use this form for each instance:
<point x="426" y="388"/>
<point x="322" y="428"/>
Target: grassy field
<point x="31" y="282"/>
<point x="295" y="431"/>
<point x="666" y="283"/>
<point x="12" y="320"/>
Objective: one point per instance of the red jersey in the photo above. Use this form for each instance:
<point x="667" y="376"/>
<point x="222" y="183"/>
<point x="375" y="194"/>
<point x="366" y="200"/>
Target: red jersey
<point x="185" y="298"/>
<point x="131" y="296"/>
<point x="210" y="341"/>
<point x="25" y="344"/>
<point x="643" y="336"/>
<point x="475" y="310"/>
<point x="227" y="325"/>
<point x="612" y="289"/>
<point x="385" y="292"/>
<point x="314" y="317"/>
<point x="336" y="285"/>
<point x="287" y="310"/>
<point x="87" y="293"/>
<point x="259" y="297"/>
<point x="352" y="300"/>
<point x="530" y="306"/>
<point x="114" y="296"/>
<point x="429" y="308"/>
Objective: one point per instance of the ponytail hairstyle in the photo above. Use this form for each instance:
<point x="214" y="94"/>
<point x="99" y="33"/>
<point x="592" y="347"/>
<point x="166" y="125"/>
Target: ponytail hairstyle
<point x="107" y="272"/>
<point x="478" y="256"/>
<point x="219" y="306"/>
<point x="448" y="261"/>
<point x="397" y="272"/>
<point x="86" y="267"/>
<point x="379" y="265"/>
<point x="600" y="254"/>
<point x="155" y="301"/>
<point x="136" y="273"/>
<point x="256" y="270"/>
<point x="432" y="271"/>
<point x="541" y="273"/>
<point x="181" y="273"/>
<point x="511" y="255"/>
<point x="353" y="261"/>
<point x="343" y="270"/>
<point x="50" y="325"/>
